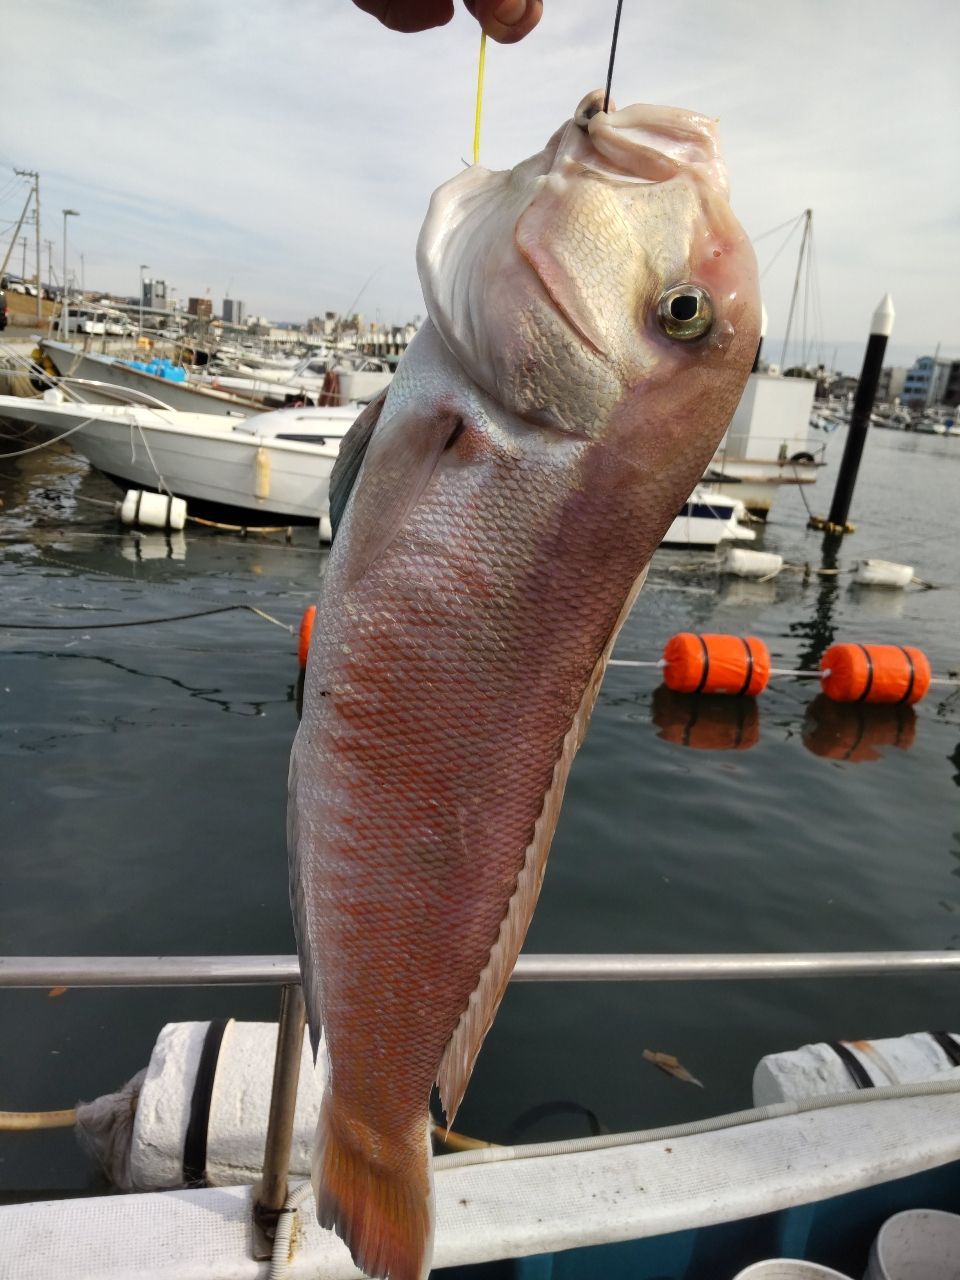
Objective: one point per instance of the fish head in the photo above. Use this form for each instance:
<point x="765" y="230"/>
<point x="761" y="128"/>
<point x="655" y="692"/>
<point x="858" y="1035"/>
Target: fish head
<point x="603" y="285"/>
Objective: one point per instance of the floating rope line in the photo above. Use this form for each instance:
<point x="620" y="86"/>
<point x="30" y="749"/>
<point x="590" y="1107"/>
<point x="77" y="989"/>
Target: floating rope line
<point x="140" y="622"/>
<point x="613" y="54"/>
<point x="476" y="118"/>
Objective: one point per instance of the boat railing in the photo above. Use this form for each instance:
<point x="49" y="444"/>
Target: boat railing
<point x="283" y="971"/>
<point x="125" y="395"/>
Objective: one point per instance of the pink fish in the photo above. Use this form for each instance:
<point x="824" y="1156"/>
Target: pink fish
<point x="593" y="317"/>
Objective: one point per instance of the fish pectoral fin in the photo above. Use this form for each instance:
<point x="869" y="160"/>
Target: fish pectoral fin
<point x="400" y="456"/>
<point x="350" y="457"/>
<point x="462" y="1048"/>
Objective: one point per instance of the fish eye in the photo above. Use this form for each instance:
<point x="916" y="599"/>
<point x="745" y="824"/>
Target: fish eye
<point x="685" y="312"/>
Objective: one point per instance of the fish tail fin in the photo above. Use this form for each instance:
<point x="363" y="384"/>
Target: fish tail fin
<point x="383" y="1212"/>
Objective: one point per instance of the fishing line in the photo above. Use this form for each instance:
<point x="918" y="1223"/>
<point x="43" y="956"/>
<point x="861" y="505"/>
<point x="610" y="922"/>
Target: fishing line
<point x="613" y="54"/>
<point x="476" y="118"/>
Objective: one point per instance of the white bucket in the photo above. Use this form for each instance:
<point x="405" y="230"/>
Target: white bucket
<point x="752" y="564"/>
<point x="789" y="1269"/>
<point x="883" y="573"/>
<point x="156" y="510"/>
<point x="918" y="1244"/>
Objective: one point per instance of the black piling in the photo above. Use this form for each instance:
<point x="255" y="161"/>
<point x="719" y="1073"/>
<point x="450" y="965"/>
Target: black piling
<point x="880" y="330"/>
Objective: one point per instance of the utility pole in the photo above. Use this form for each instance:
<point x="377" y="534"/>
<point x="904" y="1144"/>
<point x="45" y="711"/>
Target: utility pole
<point x="13" y="238"/>
<point x="23" y="259"/>
<point x="49" y="244"/>
<point x="64" y="301"/>
<point x="32" y="173"/>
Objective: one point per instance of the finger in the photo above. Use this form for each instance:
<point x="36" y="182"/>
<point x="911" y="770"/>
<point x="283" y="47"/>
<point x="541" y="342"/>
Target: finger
<point x="506" y="21"/>
<point x="408" y="15"/>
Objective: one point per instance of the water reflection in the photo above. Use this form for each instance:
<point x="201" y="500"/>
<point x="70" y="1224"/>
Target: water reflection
<point x="856" y="732"/>
<point x="878" y="602"/>
<point x="820" y="631"/>
<point x="705" y="721"/>
<point x="748" y="591"/>
<point x="138" y="547"/>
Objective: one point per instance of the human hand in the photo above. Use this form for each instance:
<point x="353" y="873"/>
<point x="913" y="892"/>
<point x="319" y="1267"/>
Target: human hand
<point x="505" y="21"/>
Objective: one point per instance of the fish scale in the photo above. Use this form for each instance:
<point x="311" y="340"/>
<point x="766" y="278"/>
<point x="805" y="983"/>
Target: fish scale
<point x="499" y="508"/>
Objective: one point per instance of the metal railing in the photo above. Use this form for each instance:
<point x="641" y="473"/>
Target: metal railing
<point x="283" y="971"/>
<point x="217" y="971"/>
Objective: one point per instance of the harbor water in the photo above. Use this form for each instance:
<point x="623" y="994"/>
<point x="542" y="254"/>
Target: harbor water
<point x="143" y="792"/>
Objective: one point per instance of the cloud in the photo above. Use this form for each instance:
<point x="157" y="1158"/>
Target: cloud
<point x="289" y="150"/>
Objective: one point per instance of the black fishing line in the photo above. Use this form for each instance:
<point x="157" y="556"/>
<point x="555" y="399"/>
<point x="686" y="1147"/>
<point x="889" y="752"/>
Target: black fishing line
<point x="613" y="54"/>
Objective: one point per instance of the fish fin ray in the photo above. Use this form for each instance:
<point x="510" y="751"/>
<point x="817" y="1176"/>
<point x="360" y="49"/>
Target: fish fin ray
<point x="350" y="457"/>
<point x="399" y="461"/>
<point x="462" y="1048"/>
<point x="298" y="905"/>
<point x="385" y="1216"/>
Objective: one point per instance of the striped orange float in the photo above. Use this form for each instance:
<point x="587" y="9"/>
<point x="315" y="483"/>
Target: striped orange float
<point x="890" y="673"/>
<point x="716" y="664"/>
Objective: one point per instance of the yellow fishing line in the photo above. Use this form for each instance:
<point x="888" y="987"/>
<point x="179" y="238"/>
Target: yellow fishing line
<point x="476" y="119"/>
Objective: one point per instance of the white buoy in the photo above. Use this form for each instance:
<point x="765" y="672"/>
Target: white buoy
<point x="752" y="564"/>
<point x="883" y="573"/>
<point x="155" y="510"/>
<point x="819" y="1068"/>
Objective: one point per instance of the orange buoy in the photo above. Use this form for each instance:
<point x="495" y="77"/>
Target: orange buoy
<point x="716" y="664"/>
<point x="874" y="673"/>
<point x="306" y="631"/>
<point x="706" y="722"/>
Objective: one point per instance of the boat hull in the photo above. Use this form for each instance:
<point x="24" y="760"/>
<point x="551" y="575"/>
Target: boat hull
<point x="246" y="476"/>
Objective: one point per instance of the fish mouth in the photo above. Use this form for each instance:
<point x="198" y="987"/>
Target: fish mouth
<point x="644" y="143"/>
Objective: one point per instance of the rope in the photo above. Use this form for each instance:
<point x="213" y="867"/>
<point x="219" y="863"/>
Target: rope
<point x="22" y="1121"/>
<point x="476" y="118"/>
<point x="140" y="622"/>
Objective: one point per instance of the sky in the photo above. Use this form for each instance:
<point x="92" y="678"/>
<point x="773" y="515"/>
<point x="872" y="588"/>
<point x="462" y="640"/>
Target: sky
<point x="284" y="153"/>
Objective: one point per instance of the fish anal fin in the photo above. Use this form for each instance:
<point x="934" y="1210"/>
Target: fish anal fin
<point x="399" y="461"/>
<point x="464" y="1044"/>
<point x="350" y="457"/>
<point x="383" y="1213"/>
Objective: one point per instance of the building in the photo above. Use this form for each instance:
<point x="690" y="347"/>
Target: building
<point x="155" y="295"/>
<point x="926" y="381"/>
<point x="202" y="308"/>
<point x="892" y="382"/>
<point x="233" y="312"/>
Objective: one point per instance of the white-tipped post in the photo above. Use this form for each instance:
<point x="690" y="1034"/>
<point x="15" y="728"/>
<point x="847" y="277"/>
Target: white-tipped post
<point x="883" y="317"/>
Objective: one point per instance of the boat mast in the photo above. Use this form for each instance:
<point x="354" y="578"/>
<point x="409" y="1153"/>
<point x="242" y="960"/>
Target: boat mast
<point x="807" y="230"/>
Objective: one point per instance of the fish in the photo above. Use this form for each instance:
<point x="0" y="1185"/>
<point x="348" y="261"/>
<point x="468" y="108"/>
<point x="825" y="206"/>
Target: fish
<point x="592" y="317"/>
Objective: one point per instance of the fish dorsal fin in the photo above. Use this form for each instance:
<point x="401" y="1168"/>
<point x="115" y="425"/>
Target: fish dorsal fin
<point x="350" y="457"/>
<point x="398" y="462"/>
<point x="463" y="1046"/>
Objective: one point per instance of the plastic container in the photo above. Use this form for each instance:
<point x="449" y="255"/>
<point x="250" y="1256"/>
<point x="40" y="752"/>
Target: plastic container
<point x="918" y="1244"/>
<point x="883" y="573"/>
<point x="752" y="564"/>
<point x="789" y="1269"/>
<point x="154" y="510"/>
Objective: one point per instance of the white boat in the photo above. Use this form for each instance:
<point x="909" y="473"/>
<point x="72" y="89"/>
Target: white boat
<point x="271" y="467"/>
<point x="73" y="362"/>
<point x="841" y="1135"/>
<point x="316" y="379"/>
<point x="708" y="518"/>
